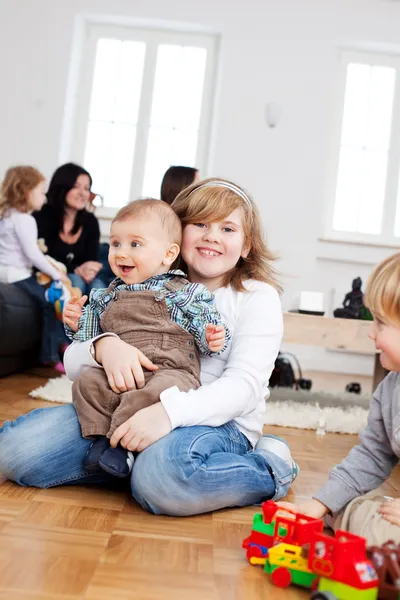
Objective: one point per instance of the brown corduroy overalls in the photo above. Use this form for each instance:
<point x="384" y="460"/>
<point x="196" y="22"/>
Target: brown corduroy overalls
<point x="142" y="320"/>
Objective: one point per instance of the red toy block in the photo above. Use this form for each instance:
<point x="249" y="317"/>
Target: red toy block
<point x="290" y="527"/>
<point x="343" y="559"/>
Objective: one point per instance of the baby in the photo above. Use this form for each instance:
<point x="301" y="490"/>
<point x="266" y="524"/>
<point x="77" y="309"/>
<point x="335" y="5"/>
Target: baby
<point x="152" y="307"/>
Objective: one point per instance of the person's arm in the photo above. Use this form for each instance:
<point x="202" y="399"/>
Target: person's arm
<point x="27" y="232"/>
<point x="123" y="366"/>
<point x="254" y="348"/>
<point x="197" y="305"/>
<point x="369" y="463"/>
<point x="80" y="355"/>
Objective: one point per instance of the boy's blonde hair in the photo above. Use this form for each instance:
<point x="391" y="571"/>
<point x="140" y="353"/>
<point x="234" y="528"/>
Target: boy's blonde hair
<point x="382" y="295"/>
<point x="17" y="183"/>
<point x="150" y="207"/>
<point x="204" y="202"/>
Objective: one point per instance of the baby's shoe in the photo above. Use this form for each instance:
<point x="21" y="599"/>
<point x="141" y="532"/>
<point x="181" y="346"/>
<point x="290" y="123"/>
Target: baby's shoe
<point x="96" y="449"/>
<point x="117" y="461"/>
<point x="280" y="447"/>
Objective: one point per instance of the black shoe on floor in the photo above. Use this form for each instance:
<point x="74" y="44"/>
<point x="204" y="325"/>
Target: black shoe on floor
<point x="92" y="456"/>
<point x="117" y="461"/>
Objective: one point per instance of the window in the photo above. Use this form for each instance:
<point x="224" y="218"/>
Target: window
<point x="145" y="104"/>
<point x="365" y="196"/>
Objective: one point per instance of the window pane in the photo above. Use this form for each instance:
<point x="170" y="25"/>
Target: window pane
<point x="356" y="105"/>
<point x="109" y="158"/>
<point x="175" y="113"/>
<point x="104" y="80"/>
<point x="190" y="98"/>
<point x="367" y="121"/>
<point x="360" y="191"/>
<point x="120" y="165"/>
<point x="380" y="108"/>
<point x="367" y="114"/>
<point x="166" y="86"/>
<point x="370" y="208"/>
<point x="167" y="147"/>
<point x="348" y="189"/>
<point x="96" y="154"/>
<point x="117" y="81"/>
<point x="178" y="87"/>
<point x="129" y="83"/>
<point x="184" y="144"/>
<point x="158" y="160"/>
<point x="114" y="110"/>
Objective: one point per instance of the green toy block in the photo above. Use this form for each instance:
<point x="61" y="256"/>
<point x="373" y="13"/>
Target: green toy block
<point x="346" y="592"/>
<point x="261" y="527"/>
<point x="298" y="577"/>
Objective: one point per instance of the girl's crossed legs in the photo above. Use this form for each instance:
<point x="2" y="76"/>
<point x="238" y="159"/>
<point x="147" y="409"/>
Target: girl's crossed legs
<point x="190" y="471"/>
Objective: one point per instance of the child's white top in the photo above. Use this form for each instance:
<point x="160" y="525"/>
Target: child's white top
<point x="235" y="383"/>
<point x="18" y="247"/>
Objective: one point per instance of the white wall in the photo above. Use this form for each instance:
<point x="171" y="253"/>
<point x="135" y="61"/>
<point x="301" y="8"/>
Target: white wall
<point x="271" y="51"/>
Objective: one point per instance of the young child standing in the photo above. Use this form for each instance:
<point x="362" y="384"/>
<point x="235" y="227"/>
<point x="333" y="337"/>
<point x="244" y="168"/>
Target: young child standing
<point x="345" y="496"/>
<point x="23" y="191"/>
<point x="152" y="307"/>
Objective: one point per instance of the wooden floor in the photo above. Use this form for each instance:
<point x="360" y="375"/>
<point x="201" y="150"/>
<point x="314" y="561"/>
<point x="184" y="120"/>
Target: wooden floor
<point x="74" y="542"/>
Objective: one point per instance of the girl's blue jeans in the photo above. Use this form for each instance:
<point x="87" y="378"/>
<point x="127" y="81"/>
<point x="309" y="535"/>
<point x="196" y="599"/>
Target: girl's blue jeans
<point x="192" y="470"/>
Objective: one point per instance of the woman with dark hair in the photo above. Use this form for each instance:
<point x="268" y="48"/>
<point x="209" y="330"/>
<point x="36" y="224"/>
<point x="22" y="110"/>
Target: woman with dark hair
<point x="71" y="233"/>
<point x="175" y="180"/>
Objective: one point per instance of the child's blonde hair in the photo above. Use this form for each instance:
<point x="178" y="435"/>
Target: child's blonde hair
<point x="161" y="210"/>
<point x="215" y="199"/>
<point x="382" y="295"/>
<point x="17" y="183"/>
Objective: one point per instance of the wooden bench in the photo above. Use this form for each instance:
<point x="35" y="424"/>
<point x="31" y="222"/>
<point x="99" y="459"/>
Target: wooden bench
<point x="350" y="335"/>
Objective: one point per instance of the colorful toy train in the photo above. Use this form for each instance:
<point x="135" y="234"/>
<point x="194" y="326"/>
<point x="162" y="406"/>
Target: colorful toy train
<point x="293" y="550"/>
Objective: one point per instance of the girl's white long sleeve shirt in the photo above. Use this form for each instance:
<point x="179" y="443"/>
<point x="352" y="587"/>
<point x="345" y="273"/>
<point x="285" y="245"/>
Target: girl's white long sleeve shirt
<point x="235" y="383"/>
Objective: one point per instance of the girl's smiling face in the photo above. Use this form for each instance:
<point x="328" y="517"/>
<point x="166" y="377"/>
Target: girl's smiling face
<point x="210" y="250"/>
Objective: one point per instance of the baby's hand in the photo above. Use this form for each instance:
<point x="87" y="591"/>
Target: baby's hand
<point x="73" y="311"/>
<point x="390" y="511"/>
<point x="215" y="337"/>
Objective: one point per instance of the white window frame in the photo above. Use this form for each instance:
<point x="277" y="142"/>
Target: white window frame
<point x="386" y="237"/>
<point x="152" y="37"/>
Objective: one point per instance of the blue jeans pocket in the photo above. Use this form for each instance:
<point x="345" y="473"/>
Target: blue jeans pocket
<point x="235" y="435"/>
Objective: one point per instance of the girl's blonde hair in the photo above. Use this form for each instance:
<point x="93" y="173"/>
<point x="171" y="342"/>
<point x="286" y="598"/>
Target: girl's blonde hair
<point x="17" y="183"/>
<point x="382" y="295"/>
<point x="204" y="202"/>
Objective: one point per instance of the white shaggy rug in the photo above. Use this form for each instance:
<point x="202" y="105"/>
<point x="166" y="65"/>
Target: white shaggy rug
<point x="303" y="410"/>
<point x="313" y="416"/>
<point x="58" y="389"/>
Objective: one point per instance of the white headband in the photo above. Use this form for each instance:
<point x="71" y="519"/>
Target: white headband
<point x="228" y="186"/>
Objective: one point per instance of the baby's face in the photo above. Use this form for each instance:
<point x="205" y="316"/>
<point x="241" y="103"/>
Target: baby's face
<point x="139" y="249"/>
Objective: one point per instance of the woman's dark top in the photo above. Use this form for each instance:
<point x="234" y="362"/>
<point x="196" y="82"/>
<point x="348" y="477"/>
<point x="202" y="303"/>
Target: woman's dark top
<point x="71" y="255"/>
